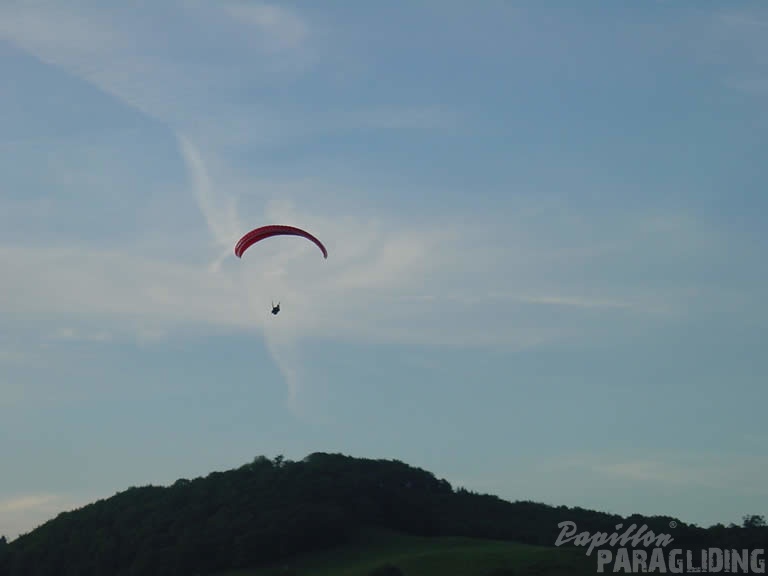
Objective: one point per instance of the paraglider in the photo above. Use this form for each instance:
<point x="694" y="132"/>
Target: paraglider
<point x="263" y="232"/>
<point x="274" y="230"/>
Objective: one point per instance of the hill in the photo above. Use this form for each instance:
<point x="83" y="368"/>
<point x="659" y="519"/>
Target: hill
<point x="383" y="553"/>
<point x="274" y="511"/>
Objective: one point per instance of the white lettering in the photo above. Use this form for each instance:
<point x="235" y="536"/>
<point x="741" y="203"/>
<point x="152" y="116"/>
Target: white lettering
<point x="622" y="561"/>
<point x="715" y="560"/>
<point x="568" y="533"/>
<point x="740" y="560"/>
<point x="565" y="531"/>
<point x="657" y="561"/>
<point x="757" y="564"/>
<point x="689" y="563"/>
<point x="675" y="563"/>
<point x="603" y="557"/>
<point x="711" y="559"/>
<point x="639" y="561"/>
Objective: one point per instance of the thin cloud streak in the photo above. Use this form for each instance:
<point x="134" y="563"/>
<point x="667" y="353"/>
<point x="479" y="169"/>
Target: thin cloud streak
<point x="26" y="502"/>
<point x="19" y="514"/>
<point x="75" y="335"/>
<point x="713" y="471"/>
<point x="91" y="283"/>
<point x="176" y="92"/>
<point x="219" y="211"/>
<point x="373" y="287"/>
<point x="282" y="28"/>
<point x="368" y="289"/>
<point x="102" y="51"/>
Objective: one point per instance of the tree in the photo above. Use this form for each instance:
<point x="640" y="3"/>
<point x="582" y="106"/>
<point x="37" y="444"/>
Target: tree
<point x="386" y="570"/>
<point x="753" y="521"/>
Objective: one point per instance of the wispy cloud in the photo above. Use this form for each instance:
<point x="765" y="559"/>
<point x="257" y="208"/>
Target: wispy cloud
<point x="393" y="118"/>
<point x="176" y="90"/>
<point x="99" y="47"/>
<point x="649" y="471"/>
<point x="387" y="278"/>
<point x="23" y="503"/>
<point x="284" y="349"/>
<point x="734" y="39"/>
<point x="73" y="334"/>
<point x="744" y="41"/>
<point x="646" y="304"/>
<point x="385" y="281"/>
<point x="57" y="35"/>
<point x="567" y="301"/>
<point x="668" y="482"/>
<point x="21" y="513"/>
<point x="281" y="28"/>
<point x="12" y="356"/>
<point x="744" y="18"/>
<point x="219" y="210"/>
<point x="740" y="472"/>
<point x="128" y="289"/>
<point x="393" y="281"/>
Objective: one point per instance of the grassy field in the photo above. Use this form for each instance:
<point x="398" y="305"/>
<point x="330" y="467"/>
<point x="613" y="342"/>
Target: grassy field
<point x="435" y="557"/>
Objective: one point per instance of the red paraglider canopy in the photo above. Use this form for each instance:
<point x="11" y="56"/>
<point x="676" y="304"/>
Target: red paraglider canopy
<point x="274" y="230"/>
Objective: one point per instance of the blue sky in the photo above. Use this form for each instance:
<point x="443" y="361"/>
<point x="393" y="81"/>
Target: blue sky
<point x="546" y="269"/>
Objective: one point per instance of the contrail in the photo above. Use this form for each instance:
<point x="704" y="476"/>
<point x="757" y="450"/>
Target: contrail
<point x="221" y="217"/>
<point x="219" y="211"/>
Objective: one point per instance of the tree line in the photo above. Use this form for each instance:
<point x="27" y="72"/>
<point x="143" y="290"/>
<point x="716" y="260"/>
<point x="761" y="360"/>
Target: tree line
<point x="274" y="509"/>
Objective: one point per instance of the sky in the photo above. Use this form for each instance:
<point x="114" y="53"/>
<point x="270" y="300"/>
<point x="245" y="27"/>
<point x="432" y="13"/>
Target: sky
<point x="545" y="222"/>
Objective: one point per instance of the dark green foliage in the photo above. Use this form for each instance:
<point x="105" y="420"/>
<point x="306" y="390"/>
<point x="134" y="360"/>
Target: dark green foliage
<point x="386" y="570"/>
<point x="268" y="511"/>
<point x="754" y="521"/>
<point x="284" y="571"/>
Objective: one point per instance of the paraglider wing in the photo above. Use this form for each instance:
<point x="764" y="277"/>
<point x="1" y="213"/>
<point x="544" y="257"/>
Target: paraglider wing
<point x="274" y="230"/>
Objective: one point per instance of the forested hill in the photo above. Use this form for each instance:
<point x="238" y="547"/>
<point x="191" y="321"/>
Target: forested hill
<point x="272" y="509"/>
